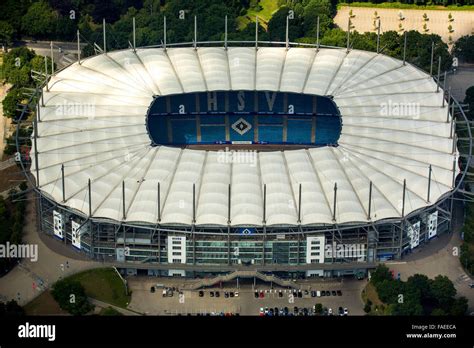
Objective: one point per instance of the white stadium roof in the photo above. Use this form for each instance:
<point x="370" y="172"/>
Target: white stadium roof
<point x="109" y="144"/>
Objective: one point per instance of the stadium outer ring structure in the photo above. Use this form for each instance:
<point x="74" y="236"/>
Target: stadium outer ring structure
<point x="125" y="256"/>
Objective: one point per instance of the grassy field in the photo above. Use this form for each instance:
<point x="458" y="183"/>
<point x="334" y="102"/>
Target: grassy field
<point x="109" y="311"/>
<point x="44" y="304"/>
<point x="105" y="285"/>
<point x="268" y="8"/>
<point x="407" y="6"/>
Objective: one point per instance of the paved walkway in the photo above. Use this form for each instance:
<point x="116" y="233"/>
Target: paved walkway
<point x="27" y="281"/>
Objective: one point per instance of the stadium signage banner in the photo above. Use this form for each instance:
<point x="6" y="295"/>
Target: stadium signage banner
<point x="432" y="224"/>
<point x="58" y="224"/>
<point x="413" y="233"/>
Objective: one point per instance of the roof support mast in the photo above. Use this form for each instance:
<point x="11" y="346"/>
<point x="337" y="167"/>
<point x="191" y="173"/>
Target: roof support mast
<point x="63" y="183"/>
<point x="403" y="197"/>
<point x="287" y="40"/>
<point x="52" y="58"/>
<point x="432" y="58"/>
<point x="225" y="33"/>
<point x="159" y="202"/>
<point x="348" y="33"/>
<point x="256" y="32"/>
<point x="378" y="37"/>
<point x="195" y="32"/>
<point x="317" y="35"/>
<point x="439" y="74"/>
<point x="404" y="47"/>
<point x="134" y="36"/>
<point x="90" y="197"/>
<point x="78" y="47"/>
<point x="299" y="205"/>
<point x="334" y="203"/>
<point x="123" y="200"/>
<point x="429" y="184"/>
<point x="164" y="32"/>
<point x="105" y="37"/>
<point x="369" y="213"/>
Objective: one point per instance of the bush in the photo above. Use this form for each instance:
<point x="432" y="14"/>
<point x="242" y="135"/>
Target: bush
<point x="71" y="297"/>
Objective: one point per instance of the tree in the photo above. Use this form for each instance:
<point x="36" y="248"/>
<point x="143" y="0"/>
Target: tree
<point x="469" y="99"/>
<point x="380" y="274"/>
<point x="313" y="10"/>
<point x="71" y="296"/>
<point x="6" y="33"/>
<point x="39" y="21"/>
<point x="464" y="48"/>
<point x="442" y="289"/>
<point x="11" y="309"/>
<point x="11" y="101"/>
<point x="459" y="307"/>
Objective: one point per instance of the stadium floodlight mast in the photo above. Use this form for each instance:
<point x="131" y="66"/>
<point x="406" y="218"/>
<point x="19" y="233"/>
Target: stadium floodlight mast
<point x="299" y="205"/>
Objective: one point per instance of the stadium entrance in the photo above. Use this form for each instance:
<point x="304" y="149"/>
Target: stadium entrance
<point x="243" y="117"/>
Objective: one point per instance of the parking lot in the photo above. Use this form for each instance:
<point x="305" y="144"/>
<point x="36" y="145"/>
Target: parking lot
<point x="245" y="300"/>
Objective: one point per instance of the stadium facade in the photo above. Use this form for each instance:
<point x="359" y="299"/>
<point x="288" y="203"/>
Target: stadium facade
<point x="300" y="161"/>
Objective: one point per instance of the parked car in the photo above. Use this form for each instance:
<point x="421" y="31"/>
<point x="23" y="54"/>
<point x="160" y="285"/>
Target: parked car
<point x="286" y="310"/>
<point x="323" y="293"/>
<point x="152" y="289"/>
<point x="256" y="294"/>
<point x="328" y="293"/>
<point x="231" y="294"/>
<point x="201" y="293"/>
<point x="334" y="293"/>
<point x="300" y="294"/>
<point x="318" y="293"/>
<point x="346" y="311"/>
<point x="306" y="292"/>
<point x="211" y="293"/>
<point x="280" y="293"/>
<point x="262" y="294"/>
<point x="295" y="310"/>
<point x="339" y="293"/>
<point x="226" y="294"/>
<point x="329" y="311"/>
<point x="341" y="311"/>
<point x="313" y="293"/>
<point x="236" y="294"/>
<point x="262" y="312"/>
<point x="218" y="294"/>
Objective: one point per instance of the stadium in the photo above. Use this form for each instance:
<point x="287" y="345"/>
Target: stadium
<point x="290" y="159"/>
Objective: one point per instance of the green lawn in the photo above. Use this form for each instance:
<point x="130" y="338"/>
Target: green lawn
<point x="105" y="285"/>
<point x="109" y="311"/>
<point x="407" y="6"/>
<point x="268" y="8"/>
